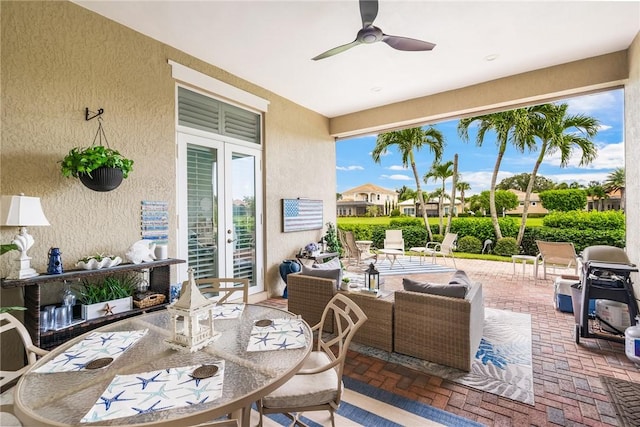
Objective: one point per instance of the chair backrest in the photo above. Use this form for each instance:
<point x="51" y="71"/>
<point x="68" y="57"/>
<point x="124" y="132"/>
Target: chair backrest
<point x="350" y="241"/>
<point x="347" y="319"/>
<point x="213" y="288"/>
<point x="448" y="242"/>
<point x="8" y="323"/>
<point x="393" y="239"/>
<point x="558" y="253"/>
<point x="343" y="241"/>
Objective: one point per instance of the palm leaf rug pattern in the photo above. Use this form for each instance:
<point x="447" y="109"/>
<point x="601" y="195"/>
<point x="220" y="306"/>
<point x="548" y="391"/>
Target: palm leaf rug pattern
<point x="503" y="363"/>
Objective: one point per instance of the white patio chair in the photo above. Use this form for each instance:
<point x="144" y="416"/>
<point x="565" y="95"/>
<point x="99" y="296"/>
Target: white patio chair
<point x="318" y="384"/>
<point x="443" y="249"/>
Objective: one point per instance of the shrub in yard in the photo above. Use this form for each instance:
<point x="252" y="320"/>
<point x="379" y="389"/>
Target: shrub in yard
<point x="469" y="244"/>
<point x="506" y="246"/>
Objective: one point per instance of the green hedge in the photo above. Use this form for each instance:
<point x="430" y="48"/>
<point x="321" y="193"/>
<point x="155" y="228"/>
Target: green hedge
<point x="582" y="220"/>
<point x="482" y="228"/>
<point x="583" y="229"/>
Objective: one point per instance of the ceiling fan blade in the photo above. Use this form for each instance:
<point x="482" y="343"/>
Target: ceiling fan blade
<point x="368" y="11"/>
<point x="336" y="50"/>
<point x="405" y="43"/>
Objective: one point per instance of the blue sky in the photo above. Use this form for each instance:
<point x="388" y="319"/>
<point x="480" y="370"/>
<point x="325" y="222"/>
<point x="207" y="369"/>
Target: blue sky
<point x="354" y="165"/>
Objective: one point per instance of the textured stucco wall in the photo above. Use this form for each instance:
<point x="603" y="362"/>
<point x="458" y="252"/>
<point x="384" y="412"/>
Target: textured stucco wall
<point x="57" y="59"/>
<point x="632" y="156"/>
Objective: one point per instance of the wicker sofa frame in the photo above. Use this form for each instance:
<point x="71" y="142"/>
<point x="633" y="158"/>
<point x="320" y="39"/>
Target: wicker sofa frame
<point x="439" y="329"/>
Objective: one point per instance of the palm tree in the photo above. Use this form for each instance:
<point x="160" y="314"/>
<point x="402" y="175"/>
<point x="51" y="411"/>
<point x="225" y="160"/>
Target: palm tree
<point x="405" y="193"/>
<point x="440" y="171"/>
<point x="509" y="126"/>
<point x="616" y="181"/>
<point x="562" y="133"/>
<point x="454" y="186"/>
<point x="463" y="187"/>
<point x="597" y="193"/>
<point x="408" y="140"/>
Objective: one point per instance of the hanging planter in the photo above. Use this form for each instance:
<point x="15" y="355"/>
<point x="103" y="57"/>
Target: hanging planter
<point x="98" y="167"/>
<point x="102" y="179"/>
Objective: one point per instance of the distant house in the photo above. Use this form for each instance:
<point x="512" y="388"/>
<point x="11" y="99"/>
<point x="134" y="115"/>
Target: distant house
<point x="535" y="206"/>
<point x="410" y="207"/>
<point x="612" y="201"/>
<point x="357" y="200"/>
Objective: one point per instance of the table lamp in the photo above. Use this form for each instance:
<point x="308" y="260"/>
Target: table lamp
<point x="22" y="211"/>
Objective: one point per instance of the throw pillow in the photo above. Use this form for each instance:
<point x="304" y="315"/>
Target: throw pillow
<point x="332" y="264"/>
<point x="335" y="274"/>
<point x="454" y="291"/>
<point x="460" y="278"/>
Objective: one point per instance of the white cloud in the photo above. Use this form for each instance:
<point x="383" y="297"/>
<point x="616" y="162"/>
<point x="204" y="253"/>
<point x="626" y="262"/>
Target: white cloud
<point x="481" y="181"/>
<point x="610" y="156"/>
<point x="397" y="177"/>
<point x="350" y="168"/>
<point x="604" y="127"/>
<point x="397" y="168"/>
<point x="580" y="178"/>
<point x="385" y="153"/>
<point x="590" y="103"/>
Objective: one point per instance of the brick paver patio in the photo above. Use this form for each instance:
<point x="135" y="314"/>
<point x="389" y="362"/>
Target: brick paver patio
<point x="568" y="390"/>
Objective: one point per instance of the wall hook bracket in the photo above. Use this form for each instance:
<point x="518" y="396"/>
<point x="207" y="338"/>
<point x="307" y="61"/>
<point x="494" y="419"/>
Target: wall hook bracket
<point x="95" y="114"/>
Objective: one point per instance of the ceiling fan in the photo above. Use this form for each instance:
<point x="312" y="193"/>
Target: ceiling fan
<point x="372" y="34"/>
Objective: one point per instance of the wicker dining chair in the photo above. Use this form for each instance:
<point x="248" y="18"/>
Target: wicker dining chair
<point x="317" y="386"/>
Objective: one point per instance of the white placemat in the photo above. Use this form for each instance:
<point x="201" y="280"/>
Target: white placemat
<point x="96" y="345"/>
<point x="227" y="311"/>
<point x="281" y="334"/>
<point x="135" y="394"/>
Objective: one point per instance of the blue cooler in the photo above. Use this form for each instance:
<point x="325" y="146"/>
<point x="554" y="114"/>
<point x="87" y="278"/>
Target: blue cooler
<point x="562" y="293"/>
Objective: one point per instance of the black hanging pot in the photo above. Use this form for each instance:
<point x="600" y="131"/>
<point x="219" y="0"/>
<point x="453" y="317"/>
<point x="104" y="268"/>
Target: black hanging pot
<point x="102" y="179"/>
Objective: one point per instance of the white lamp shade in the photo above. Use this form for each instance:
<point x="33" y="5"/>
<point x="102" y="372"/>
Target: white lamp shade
<point x="21" y="211"/>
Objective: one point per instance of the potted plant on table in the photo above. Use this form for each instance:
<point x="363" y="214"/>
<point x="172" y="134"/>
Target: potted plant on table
<point x="111" y="296"/>
<point x="98" y="167"/>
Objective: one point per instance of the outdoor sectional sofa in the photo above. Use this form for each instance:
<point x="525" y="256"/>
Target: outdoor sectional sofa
<point x="439" y="329"/>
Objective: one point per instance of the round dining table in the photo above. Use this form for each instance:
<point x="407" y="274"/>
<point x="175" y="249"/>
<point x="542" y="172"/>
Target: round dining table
<point x="63" y="398"/>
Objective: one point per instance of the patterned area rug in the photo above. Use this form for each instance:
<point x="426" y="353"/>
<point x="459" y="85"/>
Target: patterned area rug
<point x="362" y="405"/>
<point x="625" y="397"/>
<point x="503" y="364"/>
<point x="365" y="405"/>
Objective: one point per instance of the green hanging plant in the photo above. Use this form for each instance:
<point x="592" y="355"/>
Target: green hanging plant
<point x="85" y="160"/>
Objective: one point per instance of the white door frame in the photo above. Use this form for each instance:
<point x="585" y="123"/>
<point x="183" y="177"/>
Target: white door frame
<point x="226" y="147"/>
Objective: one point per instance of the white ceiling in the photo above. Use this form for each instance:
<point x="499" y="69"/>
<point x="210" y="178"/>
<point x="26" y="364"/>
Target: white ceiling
<point x="271" y="43"/>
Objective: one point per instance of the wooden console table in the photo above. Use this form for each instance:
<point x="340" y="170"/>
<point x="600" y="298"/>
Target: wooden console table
<point x="159" y="282"/>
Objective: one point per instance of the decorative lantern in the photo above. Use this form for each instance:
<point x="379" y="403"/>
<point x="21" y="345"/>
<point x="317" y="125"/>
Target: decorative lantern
<point x="372" y="278"/>
<point x="191" y="319"/>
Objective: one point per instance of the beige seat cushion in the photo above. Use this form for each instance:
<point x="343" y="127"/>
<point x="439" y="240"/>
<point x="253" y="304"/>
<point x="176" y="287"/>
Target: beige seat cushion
<point x="306" y="390"/>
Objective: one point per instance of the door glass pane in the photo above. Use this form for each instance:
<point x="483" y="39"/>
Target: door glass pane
<point x="244" y="216"/>
<point x="202" y="200"/>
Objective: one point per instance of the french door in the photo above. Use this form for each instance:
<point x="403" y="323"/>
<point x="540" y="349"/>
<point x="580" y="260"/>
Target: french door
<point x="220" y="208"/>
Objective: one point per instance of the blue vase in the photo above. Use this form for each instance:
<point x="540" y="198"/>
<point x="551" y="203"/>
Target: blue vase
<point x="55" y="261"/>
<point x="287" y="267"/>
